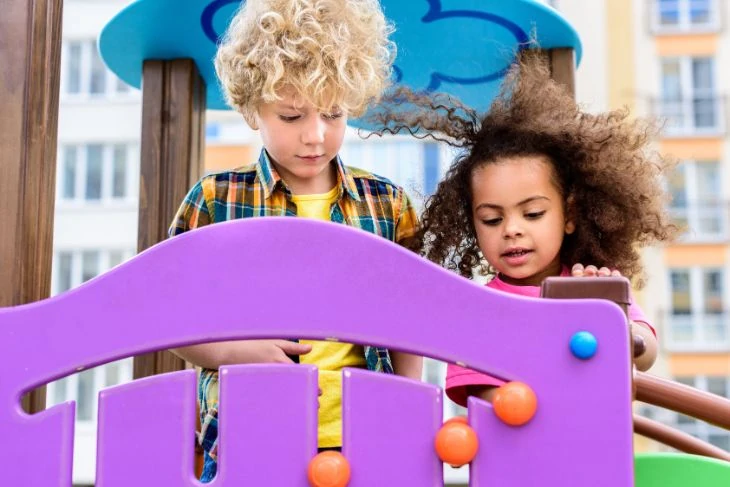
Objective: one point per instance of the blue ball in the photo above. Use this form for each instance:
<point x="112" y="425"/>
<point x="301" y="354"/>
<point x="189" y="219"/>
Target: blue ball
<point x="583" y="345"/>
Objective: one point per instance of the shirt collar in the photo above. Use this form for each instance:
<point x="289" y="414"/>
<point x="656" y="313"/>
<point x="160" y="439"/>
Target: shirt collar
<point x="269" y="177"/>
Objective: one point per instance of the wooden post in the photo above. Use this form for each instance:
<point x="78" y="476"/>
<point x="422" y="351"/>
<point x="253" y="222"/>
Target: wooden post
<point x="30" y="51"/>
<point x="562" y="67"/>
<point x="173" y="118"/>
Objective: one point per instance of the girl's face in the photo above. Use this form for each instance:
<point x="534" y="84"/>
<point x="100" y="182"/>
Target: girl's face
<point x="519" y="218"/>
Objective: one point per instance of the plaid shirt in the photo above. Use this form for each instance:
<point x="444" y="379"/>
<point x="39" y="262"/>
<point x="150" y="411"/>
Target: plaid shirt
<point x="364" y="201"/>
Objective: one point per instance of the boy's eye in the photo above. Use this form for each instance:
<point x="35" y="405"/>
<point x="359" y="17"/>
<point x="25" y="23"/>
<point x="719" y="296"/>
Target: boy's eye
<point x="332" y="116"/>
<point x="534" y="215"/>
<point x="289" y="118"/>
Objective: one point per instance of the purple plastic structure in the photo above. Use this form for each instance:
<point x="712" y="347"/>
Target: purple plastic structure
<point x="308" y="279"/>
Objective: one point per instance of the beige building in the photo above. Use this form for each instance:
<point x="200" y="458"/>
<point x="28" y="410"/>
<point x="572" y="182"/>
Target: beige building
<point x="671" y="59"/>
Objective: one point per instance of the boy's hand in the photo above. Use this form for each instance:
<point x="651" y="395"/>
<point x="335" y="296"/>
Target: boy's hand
<point x="579" y="270"/>
<point x="266" y="351"/>
<point x="214" y="355"/>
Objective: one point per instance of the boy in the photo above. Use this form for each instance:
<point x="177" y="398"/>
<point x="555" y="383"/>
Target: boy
<point x="296" y="70"/>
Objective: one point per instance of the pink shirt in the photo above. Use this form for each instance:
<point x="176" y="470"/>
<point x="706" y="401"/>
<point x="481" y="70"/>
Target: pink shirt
<point x="459" y="378"/>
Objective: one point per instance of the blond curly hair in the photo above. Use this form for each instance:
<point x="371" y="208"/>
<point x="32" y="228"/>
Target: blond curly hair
<point x="332" y="53"/>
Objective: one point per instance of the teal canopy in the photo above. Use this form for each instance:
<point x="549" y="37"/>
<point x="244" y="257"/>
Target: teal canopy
<point x="462" y="47"/>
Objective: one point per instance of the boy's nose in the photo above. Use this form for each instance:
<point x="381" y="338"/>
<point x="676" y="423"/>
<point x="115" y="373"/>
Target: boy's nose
<point x="314" y="131"/>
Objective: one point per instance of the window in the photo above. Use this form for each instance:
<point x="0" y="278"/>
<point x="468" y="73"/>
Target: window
<point x="68" y="173"/>
<point x="72" y="268"/>
<point x="84" y="387"/>
<point x="697" y="204"/>
<point x="413" y="165"/>
<point x="697" y="319"/>
<point x="98" y="173"/>
<point x="94" y="154"/>
<point x="65" y="271"/>
<point x="706" y="432"/>
<point x="689" y="101"/>
<point x="673" y="16"/>
<point x="84" y="75"/>
<point x="119" y="172"/>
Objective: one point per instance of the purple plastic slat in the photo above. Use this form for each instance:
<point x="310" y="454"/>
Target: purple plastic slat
<point x="47" y="437"/>
<point x="389" y="426"/>
<point x="285" y="277"/>
<point x="510" y="455"/>
<point x="268" y="415"/>
<point x="157" y="414"/>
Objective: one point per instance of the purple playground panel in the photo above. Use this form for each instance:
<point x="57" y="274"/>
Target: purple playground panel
<point x="314" y="280"/>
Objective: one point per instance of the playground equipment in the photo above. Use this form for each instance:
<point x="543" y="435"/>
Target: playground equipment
<point x="581" y="431"/>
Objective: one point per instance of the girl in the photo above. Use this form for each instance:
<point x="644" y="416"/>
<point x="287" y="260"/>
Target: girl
<point x="538" y="186"/>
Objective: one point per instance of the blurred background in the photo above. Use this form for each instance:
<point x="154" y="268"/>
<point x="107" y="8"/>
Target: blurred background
<point x="662" y="58"/>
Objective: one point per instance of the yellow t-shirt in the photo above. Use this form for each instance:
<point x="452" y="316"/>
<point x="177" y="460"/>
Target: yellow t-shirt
<point x="329" y="357"/>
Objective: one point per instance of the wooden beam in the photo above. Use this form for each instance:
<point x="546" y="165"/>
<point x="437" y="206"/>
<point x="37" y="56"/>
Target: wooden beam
<point x="562" y="67"/>
<point x="30" y="50"/>
<point x="173" y="118"/>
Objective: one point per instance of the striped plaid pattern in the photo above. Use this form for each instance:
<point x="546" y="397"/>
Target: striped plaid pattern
<point x="364" y="201"/>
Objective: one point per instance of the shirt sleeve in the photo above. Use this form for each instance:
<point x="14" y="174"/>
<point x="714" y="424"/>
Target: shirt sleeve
<point x="458" y="379"/>
<point x="407" y="221"/>
<point x="636" y="314"/>
<point x="194" y="212"/>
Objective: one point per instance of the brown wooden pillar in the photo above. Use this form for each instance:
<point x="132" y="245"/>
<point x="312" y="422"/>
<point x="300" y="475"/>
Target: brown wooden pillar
<point x="173" y="118"/>
<point x="30" y="51"/>
<point x="562" y="67"/>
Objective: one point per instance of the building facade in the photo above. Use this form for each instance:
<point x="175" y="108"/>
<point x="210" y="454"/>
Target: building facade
<point x="670" y="59"/>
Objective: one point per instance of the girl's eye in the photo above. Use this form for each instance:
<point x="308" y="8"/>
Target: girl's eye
<point x="332" y="116"/>
<point x="289" y="118"/>
<point x="535" y="215"/>
<point x="492" y="222"/>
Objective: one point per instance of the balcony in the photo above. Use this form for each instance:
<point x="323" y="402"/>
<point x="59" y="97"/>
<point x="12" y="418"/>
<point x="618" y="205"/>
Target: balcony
<point x="698" y="116"/>
<point x="696" y="332"/>
<point x="672" y="17"/>
<point x="703" y="222"/>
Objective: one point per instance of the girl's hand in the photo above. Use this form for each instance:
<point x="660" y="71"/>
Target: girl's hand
<point x="579" y="270"/>
<point x="646" y="343"/>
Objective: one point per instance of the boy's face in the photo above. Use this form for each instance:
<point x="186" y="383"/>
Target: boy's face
<point x="301" y="141"/>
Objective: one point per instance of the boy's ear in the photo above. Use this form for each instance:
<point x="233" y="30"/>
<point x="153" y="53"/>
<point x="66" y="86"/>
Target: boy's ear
<point x="570" y="215"/>
<point x="250" y="119"/>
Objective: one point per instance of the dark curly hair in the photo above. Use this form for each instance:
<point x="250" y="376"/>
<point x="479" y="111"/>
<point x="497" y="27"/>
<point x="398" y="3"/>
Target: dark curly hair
<point x="601" y="162"/>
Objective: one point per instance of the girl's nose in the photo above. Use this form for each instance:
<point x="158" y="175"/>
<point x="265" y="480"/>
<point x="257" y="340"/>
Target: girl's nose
<point x="512" y="229"/>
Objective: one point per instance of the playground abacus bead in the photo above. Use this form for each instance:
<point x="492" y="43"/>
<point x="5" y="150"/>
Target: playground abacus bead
<point x="456" y="442"/>
<point x="583" y="345"/>
<point x="329" y="469"/>
<point x="515" y="403"/>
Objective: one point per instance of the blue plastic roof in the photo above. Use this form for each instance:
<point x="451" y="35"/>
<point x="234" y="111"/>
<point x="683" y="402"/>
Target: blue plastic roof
<point x="462" y="47"/>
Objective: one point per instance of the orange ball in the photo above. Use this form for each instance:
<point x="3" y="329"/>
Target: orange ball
<point x="329" y="469"/>
<point x="458" y="419"/>
<point x="515" y="403"/>
<point x="456" y="443"/>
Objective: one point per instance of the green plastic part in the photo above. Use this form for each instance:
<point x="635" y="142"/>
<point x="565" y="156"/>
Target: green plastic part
<point x="680" y="470"/>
